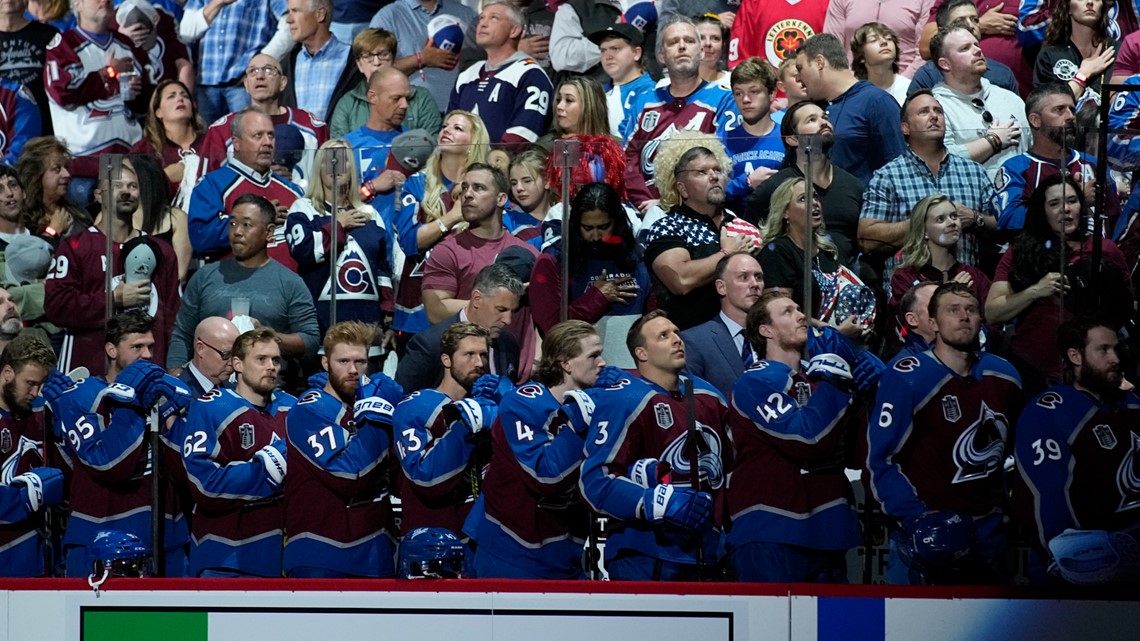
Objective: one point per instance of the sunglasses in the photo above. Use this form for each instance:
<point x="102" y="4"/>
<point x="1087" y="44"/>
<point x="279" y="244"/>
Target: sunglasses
<point x="987" y="117"/>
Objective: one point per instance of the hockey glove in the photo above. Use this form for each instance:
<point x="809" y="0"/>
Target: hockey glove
<point x="138" y="377"/>
<point x="42" y="486"/>
<point x="828" y="340"/>
<point x="382" y="386"/>
<point x="492" y="386"/>
<point x="680" y="506"/>
<point x="476" y="414"/>
<point x="274" y="458"/>
<point x="609" y="376"/>
<point x="831" y="368"/>
<point x="867" y="371"/>
<point x="376" y="399"/>
<point x="172" y="395"/>
<point x="318" y="380"/>
<point x="56" y="384"/>
<point x="649" y="472"/>
<point x="579" y="410"/>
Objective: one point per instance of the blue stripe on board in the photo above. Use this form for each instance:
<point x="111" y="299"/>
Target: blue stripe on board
<point x="845" y="619"/>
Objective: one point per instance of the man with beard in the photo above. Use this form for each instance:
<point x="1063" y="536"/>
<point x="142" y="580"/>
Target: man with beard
<point x="75" y="292"/>
<point x="656" y="458"/>
<point x="10" y="323"/>
<point x="233" y="450"/>
<point x="923" y="169"/>
<point x="754" y="142"/>
<point x="1050" y="110"/>
<point x="24" y="367"/>
<point x="437" y="432"/>
<point x="337" y="509"/>
<point x="530" y="523"/>
<point x="719" y="350"/>
<point x="686" y="103"/>
<point x="940" y="431"/>
<point x="684" y="247"/>
<point x="791" y="428"/>
<point x="1077" y="449"/>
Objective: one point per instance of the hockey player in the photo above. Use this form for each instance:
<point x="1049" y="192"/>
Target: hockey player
<point x="667" y="530"/>
<point x="534" y="524"/>
<point x="1077" y="452"/>
<point x="789" y="428"/>
<point x="103" y="422"/>
<point x="24" y="367"/>
<point x="233" y="450"/>
<point x="337" y="511"/>
<point x="939" y="432"/>
<point x="436" y="432"/>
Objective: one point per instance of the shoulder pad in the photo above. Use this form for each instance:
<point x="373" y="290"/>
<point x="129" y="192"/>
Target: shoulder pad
<point x="907" y="364"/>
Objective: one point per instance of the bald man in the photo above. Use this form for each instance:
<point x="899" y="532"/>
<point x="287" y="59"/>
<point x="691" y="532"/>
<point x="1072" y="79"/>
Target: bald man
<point x="211" y="365"/>
<point x="388" y="95"/>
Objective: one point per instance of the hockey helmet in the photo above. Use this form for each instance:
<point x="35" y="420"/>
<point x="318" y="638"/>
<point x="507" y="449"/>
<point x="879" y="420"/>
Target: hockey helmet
<point x="116" y="553"/>
<point x="431" y="552"/>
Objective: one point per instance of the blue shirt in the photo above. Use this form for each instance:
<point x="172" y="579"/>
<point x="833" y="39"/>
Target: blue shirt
<point x="626" y="96"/>
<point x="315" y="75"/>
<point x="867" y="130"/>
<point x="749" y="153"/>
<point x="237" y="34"/>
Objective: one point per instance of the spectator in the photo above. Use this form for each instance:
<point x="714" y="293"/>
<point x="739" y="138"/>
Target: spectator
<point x="234" y="455"/>
<point x="451" y="268"/>
<point x="718" y="350"/>
<point x="961" y="13"/>
<point x="75" y="291"/>
<point x="774" y="30"/>
<point x="983" y="122"/>
<point x="277" y="297"/>
<point x="230" y="35"/>
<point x="609" y="282"/>
<point x="11" y="325"/>
<point x="875" y="58"/>
<point x="623" y="60"/>
<point x="866" y="126"/>
<point x="55" y="13"/>
<point x="432" y="206"/>
<point x="998" y="33"/>
<point x="840" y="194"/>
<point x="494" y="300"/>
<point x="571" y="52"/>
<point x="530" y="192"/>
<point x="265" y="82"/>
<point x="42" y="171"/>
<point x="156" y="217"/>
<point x="11" y="206"/>
<point x="26" y="260"/>
<point x="687" y="103"/>
<point x="425" y="64"/>
<point x="247" y="173"/>
<point x="24" y="42"/>
<point x="930" y="251"/>
<point x="337" y="511"/>
<point x="713" y="34"/>
<point x="916" y="325"/>
<point x="154" y="30"/>
<point x="212" y="362"/>
<point x="319" y="67"/>
<point x="720" y="8"/>
<point x="579" y="110"/>
<point x="508" y="83"/>
<point x="362" y="274"/>
<point x="19" y="120"/>
<point x="754" y="144"/>
<point x="96" y="93"/>
<point x="539" y="25"/>
<point x="174" y="133"/>
<point x="925" y="169"/>
<point x="788" y="84"/>
<point x="684" y="247"/>
<point x="1051" y="113"/>
<point x="1029" y="280"/>
<point x="388" y="94"/>
<point x="904" y="18"/>
<point x="374" y="49"/>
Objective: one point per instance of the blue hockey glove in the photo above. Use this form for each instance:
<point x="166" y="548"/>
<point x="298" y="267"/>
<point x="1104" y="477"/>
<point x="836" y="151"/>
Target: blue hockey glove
<point x="828" y="340"/>
<point x="173" y="396"/>
<point x="318" y="380"/>
<point x="274" y="458"/>
<point x="380" y="385"/>
<point x="492" y="386"/>
<point x="139" y="376"/>
<point x="42" y="486"/>
<point x="649" y="472"/>
<point x="579" y="410"/>
<point x="477" y="413"/>
<point x="56" y="384"/>
<point x="680" y="506"/>
<point x="609" y="376"/>
<point x="376" y="399"/>
<point x="831" y="368"/>
<point x="867" y="371"/>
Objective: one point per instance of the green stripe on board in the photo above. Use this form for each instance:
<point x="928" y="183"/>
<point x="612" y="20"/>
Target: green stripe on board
<point x="123" y="625"/>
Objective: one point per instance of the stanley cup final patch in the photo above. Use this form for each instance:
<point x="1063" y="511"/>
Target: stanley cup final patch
<point x="245" y="430"/>
<point x="1104" y="436"/>
<point x="951" y="411"/>
<point x="664" y="415"/>
<point x="5" y="440"/>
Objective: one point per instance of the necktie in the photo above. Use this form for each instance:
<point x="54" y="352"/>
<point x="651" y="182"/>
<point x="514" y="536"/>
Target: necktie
<point x="746" y="351"/>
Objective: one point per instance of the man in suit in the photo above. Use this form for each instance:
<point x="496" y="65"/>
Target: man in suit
<point x="211" y="364"/>
<point x="717" y="350"/>
<point x="494" y="300"/>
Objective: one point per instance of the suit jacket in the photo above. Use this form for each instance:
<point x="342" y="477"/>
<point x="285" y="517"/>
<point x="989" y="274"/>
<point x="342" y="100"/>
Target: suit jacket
<point x="186" y="376"/>
<point x="711" y="354"/>
<point x="420" y="368"/>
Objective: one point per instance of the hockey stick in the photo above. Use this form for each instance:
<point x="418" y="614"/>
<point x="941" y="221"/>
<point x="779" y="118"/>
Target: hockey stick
<point x="48" y="543"/>
<point x="157" y="514"/>
<point x="694" y="465"/>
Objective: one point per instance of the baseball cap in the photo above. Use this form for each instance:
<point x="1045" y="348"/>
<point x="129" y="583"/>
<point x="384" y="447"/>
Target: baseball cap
<point x="26" y="259"/>
<point x="520" y="260"/>
<point x="621" y="30"/>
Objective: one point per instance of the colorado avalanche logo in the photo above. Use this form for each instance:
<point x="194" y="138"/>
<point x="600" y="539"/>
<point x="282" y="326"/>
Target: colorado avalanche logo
<point x="529" y="391"/>
<point x="352" y="277"/>
<point x="979" y="449"/>
<point x="711" y="466"/>
<point x="782" y="40"/>
<point x="907" y="364"/>
<point x="1050" y="400"/>
<point x="1128" y="477"/>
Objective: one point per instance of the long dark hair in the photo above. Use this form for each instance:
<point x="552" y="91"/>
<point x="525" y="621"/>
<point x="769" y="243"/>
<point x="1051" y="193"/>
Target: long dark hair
<point x="1061" y="26"/>
<point x="153" y="197"/>
<point x="602" y="197"/>
<point x="1037" y="249"/>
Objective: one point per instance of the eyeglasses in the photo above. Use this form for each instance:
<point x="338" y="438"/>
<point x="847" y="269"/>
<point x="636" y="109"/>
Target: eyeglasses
<point x="263" y="71"/>
<point x="376" y="57"/>
<point x="987" y="117"/>
<point x="704" y="173"/>
<point x="225" y="355"/>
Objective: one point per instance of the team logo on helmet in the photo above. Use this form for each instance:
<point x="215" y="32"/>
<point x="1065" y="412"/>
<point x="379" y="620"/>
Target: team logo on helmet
<point x="782" y="40"/>
<point x="1128" y="477"/>
<point x="711" y="467"/>
<point x="246" y="432"/>
<point x="981" y="446"/>
<point x="951" y="411"/>
<point x="1104" y="436"/>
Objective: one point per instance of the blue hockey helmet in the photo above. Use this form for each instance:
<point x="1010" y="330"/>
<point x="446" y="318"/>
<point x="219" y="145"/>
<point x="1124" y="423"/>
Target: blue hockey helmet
<point x="117" y="553"/>
<point x="431" y="552"/>
<point x="936" y="544"/>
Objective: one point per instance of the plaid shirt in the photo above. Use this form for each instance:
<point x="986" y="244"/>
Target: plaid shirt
<point x="315" y="76"/>
<point x="898" y="186"/>
<point x="236" y="35"/>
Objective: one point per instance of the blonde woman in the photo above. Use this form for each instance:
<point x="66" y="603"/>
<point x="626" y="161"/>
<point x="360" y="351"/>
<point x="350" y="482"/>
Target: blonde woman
<point x="430" y="211"/>
<point x="363" y="277"/>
